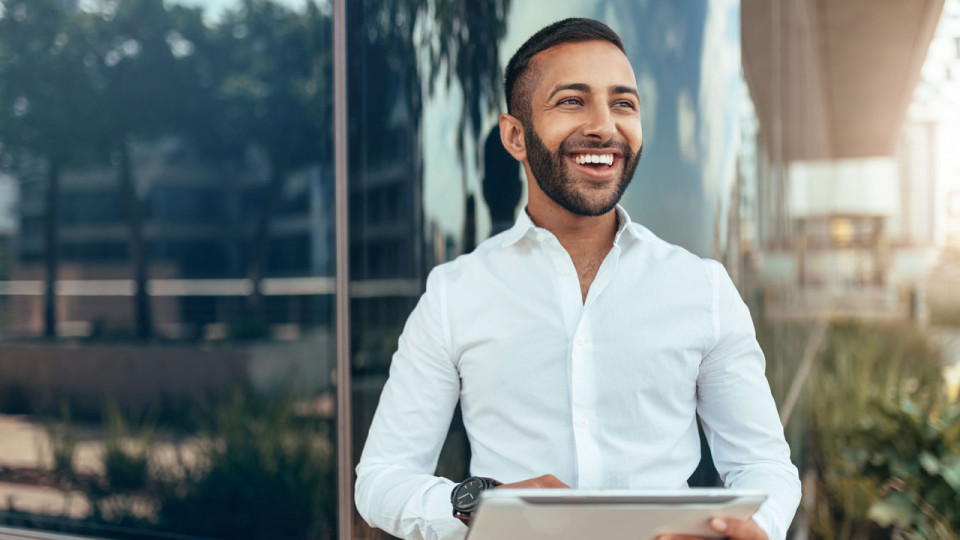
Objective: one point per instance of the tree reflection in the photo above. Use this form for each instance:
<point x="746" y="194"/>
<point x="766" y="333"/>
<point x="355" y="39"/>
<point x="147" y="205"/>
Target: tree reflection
<point x="82" y="88"/>
<point x="46" y="107"/>
<point x="274" y="91"/>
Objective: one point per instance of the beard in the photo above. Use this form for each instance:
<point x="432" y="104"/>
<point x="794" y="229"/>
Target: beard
<point x="550" y="170"/>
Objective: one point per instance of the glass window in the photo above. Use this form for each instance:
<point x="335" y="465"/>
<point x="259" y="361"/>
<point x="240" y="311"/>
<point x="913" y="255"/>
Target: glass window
<point x="166" y="259"/>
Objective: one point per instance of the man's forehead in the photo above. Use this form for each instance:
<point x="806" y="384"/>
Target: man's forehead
<point x="595" y="63"/>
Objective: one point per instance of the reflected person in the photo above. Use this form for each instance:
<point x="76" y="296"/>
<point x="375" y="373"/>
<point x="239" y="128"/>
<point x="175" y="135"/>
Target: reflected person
<point x="502" y="187"/>
<point x="581" y="346"/>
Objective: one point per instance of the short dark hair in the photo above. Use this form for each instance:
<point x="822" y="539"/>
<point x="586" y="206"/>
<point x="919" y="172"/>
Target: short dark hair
<point x="518" y="78"/>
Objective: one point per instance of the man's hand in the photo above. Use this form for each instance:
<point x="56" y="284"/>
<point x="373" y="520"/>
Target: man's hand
<point x="735" y="529"/>
<point x="540" y="482"/>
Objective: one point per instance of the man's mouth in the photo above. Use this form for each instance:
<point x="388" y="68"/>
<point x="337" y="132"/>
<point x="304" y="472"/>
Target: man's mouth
<point x="597" y="165"/>
<point x="594" y="159"/>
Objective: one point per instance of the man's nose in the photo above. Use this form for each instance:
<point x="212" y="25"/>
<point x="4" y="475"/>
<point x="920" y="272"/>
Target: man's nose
<point x="600" y="124"/>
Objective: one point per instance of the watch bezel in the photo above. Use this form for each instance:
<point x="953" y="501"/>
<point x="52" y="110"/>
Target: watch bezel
<point x="484" y="484"/>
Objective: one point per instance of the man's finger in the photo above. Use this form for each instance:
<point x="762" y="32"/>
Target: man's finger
<point x="545" y="481"/>
<point x="548" y="481"/>
<point x="737" y="529"/>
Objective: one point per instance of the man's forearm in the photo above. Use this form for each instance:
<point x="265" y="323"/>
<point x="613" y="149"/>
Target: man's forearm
<point x="405" y="503"/>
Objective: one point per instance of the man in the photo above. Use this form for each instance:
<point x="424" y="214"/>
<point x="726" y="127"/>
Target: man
<point x="580" y="345"/>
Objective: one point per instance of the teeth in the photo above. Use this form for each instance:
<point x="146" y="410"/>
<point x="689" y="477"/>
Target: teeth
<point x="583" y="159"/>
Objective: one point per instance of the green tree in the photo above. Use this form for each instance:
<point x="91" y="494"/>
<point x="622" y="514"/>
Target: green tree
<point x="46" y="107"/>
<point x="274" y="91"/>
<point x="462" y="42"/>
<point x="148" y="87"/>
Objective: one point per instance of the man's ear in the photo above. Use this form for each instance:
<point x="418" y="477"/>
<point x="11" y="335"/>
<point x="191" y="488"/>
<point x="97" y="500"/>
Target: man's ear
<point x="511" y="135"/>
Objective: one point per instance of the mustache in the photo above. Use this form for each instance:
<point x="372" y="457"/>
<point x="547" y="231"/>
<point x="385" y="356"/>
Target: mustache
<point x="624" y="148"/>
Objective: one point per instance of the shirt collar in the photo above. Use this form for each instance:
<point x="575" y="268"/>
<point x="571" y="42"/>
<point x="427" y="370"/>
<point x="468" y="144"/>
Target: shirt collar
<point x="524" y="225"/>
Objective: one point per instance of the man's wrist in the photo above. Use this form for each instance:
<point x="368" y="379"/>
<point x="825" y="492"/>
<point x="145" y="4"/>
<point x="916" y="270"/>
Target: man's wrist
<point x="465" y="496"/>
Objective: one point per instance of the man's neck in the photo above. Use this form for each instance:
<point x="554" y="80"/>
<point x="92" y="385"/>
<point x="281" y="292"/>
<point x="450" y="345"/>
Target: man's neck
<point x="587" y="239"/>
<point x="577" y="234"/>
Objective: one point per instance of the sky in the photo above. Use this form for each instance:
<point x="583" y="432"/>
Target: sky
<point x="214" y="8"/>
<point x="937" y="98"/>
<point x="8" y="200"/>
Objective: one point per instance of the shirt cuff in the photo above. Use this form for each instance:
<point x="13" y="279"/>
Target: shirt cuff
<point x="766" y="519"/>
<point x="440" y="523"/>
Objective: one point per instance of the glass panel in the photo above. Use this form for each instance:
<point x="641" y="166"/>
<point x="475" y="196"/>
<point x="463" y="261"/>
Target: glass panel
<point x="167" y="268"/>
<point x="430" y="179"/>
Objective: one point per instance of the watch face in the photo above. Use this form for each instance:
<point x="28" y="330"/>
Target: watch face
<point x="468" y="495"/>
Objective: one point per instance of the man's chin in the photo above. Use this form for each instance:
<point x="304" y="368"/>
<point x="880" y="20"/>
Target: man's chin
<point x="586" y="208"/>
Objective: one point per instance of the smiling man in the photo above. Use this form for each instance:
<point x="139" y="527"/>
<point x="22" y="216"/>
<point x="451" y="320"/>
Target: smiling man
<point x="580" y="346"/>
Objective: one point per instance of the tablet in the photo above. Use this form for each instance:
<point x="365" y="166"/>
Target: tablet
<point x="530" y="514"/>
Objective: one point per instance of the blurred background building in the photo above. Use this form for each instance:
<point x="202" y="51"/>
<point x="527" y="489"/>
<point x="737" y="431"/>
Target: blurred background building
<point x="846" y="211"/>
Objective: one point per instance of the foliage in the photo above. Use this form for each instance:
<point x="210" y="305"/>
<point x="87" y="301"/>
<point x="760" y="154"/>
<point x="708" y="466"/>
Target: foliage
<point x="466" y="38"/>
<point x="885" y="442"/>
<point x="272" y="69"/>
<point x="126" y="456"/>
<point x="45" y="93"/>
<point x="62" y="442"/>
<point x="260" y="474"/>
<point x="46" y="107"/>
<point x="898" y="468"/>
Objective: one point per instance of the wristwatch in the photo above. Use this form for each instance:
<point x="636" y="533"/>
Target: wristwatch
<point x="466" y="496"/>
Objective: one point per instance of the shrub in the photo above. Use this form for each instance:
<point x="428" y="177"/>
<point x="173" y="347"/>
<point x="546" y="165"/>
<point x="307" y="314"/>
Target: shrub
<point x="262" y="473"/>
<point x="126" y="456"/>
<point x="62" y="442"/>
<point x="885" y="441"/>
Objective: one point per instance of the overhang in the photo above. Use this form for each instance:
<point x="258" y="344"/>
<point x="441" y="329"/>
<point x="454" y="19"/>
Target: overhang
<point x="832" y="79"/>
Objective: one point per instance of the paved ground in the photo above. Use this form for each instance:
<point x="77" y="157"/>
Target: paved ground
<point x="43" y="500"/>
<point x="25" y="444"/>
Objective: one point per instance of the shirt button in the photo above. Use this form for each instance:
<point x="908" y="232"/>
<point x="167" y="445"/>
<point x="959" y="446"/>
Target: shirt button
<point x="541" y="236"/>
<point x="581" y="340"/>
<point x="564" y="271"/>
<point x="582" y="422"/>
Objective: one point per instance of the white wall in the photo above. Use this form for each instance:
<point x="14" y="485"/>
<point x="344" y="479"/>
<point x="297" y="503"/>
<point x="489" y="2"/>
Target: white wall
<point x="851" y="186"/>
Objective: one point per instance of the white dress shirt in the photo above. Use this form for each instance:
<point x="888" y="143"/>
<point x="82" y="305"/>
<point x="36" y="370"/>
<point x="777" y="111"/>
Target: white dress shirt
<point x="601" y="393"/>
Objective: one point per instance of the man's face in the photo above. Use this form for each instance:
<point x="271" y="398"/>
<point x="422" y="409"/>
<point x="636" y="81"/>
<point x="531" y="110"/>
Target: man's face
<point x="585" y="108"/>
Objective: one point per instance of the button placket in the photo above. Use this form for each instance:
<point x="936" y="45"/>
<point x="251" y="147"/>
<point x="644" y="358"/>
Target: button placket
<point x="607" y="267"/>
<point x="583" y="402"/>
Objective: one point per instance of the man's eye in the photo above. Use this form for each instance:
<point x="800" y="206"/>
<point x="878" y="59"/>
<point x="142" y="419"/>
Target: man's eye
<point x="625" y="103"/>
<point x="570" y="101"/>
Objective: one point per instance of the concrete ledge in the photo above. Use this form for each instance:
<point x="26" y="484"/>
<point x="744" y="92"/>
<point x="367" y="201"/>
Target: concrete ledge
<point x="135" y="376"/>
<point x="26" y="534"/>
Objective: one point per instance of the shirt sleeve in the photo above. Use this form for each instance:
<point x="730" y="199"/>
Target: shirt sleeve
<point x="396" y="489"/>
<point x="739" y="415"/>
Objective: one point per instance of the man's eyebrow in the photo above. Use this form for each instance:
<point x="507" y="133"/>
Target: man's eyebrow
<point x="583" y="87"/>
<point x="580" y="87"/>
<point x="624" y="90"/>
